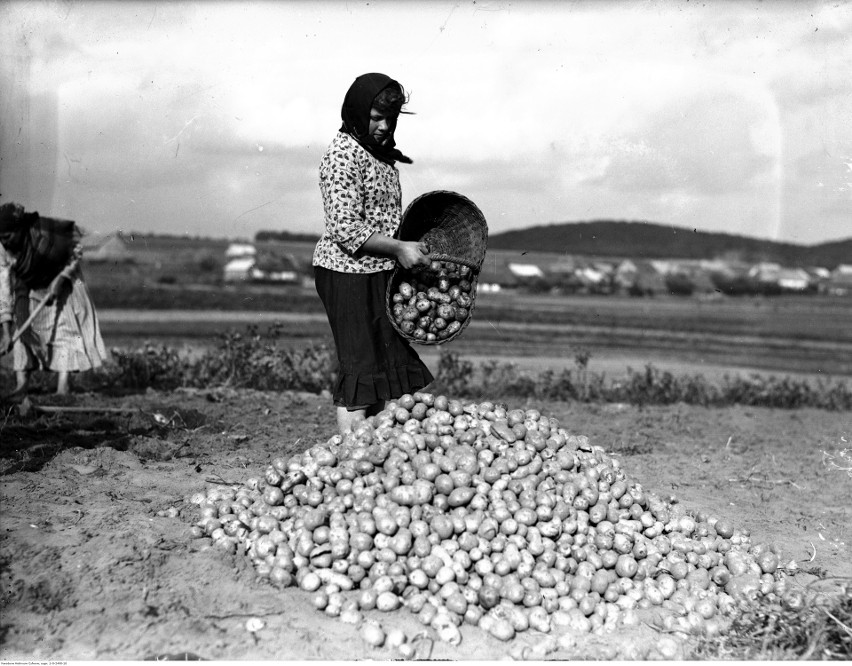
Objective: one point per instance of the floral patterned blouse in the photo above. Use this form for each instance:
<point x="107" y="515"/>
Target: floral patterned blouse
<point x="361" y="196"/>
<point x="7" y="296"/>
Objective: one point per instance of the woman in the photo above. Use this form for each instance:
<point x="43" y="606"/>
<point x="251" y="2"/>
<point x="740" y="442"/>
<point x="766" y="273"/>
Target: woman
<point x="357" y="252"/>
<point x="40" y="262"/>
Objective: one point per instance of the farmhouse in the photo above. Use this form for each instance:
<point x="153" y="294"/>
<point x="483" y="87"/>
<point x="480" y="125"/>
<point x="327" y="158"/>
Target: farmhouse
<point x="528" y="275"/>
<point x="238" y="270"/>
<point x="594" y="279"/>
<point x="565" y="266"/>
<point x="275" y="266"/>
<point x="639" y="278"/>
<point x="701" y="282"/>
<point x="99" y="247"/>
<point x="240" y="251"/>
<point x="245" y="264"/>
<point x="793" y="279"/>
<point x="563" y="274"/>
<point x="774" y="277"/>
<point x="840" y="283"/>
<point x="239" y="262"/>
<point x="526" y="271"/>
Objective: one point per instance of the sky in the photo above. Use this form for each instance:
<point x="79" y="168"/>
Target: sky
<point x="210" y="118"/>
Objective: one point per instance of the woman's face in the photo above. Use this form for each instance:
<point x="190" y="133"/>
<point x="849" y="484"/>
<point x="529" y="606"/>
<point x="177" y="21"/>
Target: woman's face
<point x="382" y="125"/>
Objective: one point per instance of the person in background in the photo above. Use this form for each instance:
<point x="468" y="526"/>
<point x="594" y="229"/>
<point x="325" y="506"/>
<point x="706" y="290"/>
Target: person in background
<point x="42" y="293"/>
<point x="357" y="253"/>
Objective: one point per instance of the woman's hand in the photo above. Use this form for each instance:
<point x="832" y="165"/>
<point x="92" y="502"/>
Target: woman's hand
<point x="407" y="253"/>
<point x="6" y="338"/>
<point x="412" y="253"/>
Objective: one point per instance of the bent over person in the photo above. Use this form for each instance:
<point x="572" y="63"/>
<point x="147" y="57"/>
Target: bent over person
<point x="357" y="252"/>
<point x="43" y="294"/>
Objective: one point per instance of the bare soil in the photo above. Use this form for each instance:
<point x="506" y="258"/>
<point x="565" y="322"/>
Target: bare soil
<point x="97" y="563"/>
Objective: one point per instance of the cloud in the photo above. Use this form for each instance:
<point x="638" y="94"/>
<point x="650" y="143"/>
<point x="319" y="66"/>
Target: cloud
<point x="707" y="143"/>
<point x="821" y="206"/>
<point x="541" y="110"/>
<point x="216" y="195"/>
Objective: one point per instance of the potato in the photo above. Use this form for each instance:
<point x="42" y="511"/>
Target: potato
<point x="441" y="297"/>
<point x="481" y="514"/>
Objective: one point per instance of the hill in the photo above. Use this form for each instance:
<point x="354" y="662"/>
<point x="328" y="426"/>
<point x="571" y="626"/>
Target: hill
<point x="645" y="240"/>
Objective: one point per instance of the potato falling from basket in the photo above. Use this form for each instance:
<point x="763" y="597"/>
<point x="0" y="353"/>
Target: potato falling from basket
<point x="432" y="305"/>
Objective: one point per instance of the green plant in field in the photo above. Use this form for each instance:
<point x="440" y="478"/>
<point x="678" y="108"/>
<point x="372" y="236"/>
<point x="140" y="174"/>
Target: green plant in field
<point x="557" y="386"/>
<point x="811" y="625"/>
<point x="250" y="360"/>
<point x="785" y="393"/>
<point x="581" y="364"/>
<point x="253" y="359"/>
<point x="653" y="387"/>
<point x="648" y="387"/>
<point x="151" y="295"/>
<point x="504" y="378"/>
<point x="453" y="376"/>
<point x="155" y="366"/>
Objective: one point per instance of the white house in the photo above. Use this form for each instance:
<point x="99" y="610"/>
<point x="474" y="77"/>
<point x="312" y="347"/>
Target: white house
<point x="528" y="271"/>
<point x="238" y="250"/>
<point x="793" y="279"/>
<point x="245" y="264"/>
<point x="239" y="269"/>
<point x="840" y="283"/>
<point x="105" y="247"/>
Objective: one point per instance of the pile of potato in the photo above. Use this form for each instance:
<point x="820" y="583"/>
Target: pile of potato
<point x="433" y="304"/>
<point x="481" y="514"/>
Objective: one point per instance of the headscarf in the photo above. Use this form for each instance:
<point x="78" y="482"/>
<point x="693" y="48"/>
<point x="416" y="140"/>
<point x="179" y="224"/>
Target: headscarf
<point x="42" y="246"/>
<point x="356" y="116"/>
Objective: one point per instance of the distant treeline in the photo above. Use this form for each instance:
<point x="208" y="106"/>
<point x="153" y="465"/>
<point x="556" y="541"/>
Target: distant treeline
<point x="137" y="236"/>
<point x="645" y="240"/>
<point x="263" y="236"/>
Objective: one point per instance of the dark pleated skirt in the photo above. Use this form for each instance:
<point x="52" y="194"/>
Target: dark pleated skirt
<point x="374" y="362"/>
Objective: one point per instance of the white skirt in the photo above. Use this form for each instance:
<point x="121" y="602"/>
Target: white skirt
<point x="64" y="336"/>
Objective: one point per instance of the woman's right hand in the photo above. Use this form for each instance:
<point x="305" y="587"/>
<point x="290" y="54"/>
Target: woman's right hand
<point x="412" y="253"/>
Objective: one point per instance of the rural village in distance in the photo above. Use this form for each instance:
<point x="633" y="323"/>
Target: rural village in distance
<point x="746" y="267"/>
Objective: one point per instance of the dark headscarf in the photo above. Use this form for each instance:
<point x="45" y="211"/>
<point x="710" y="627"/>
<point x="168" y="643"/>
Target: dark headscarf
<point x="42" y="246"/>
<point x="356" y="116"/>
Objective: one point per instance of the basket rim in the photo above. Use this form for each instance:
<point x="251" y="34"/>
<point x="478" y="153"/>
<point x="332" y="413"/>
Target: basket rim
<point x="436" y="193"/>
<point x="479" y="217"/>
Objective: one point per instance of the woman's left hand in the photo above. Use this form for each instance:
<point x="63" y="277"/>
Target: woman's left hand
<point x="412" y="253"/>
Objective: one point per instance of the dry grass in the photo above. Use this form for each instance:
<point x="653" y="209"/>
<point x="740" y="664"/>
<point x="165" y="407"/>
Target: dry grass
<point x="813" y="625"/>
<point x="840" y="461"/>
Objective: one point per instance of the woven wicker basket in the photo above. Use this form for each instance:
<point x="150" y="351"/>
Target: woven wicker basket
<point x="455" y="231"/>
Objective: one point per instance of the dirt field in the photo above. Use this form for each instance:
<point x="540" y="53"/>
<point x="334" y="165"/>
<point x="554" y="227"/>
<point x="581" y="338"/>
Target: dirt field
<point x="97" y="563"/>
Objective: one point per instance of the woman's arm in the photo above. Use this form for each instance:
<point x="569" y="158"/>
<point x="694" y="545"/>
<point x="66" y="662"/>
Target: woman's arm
<point x="343" y="192"/>
<point x="7" y="301"/>
<point x="67" y="273"/>
<point x="407" y="253"/>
